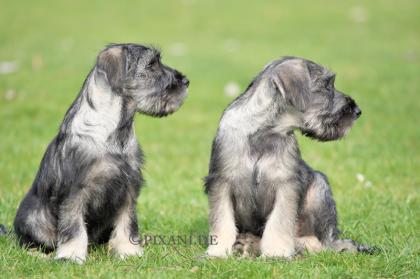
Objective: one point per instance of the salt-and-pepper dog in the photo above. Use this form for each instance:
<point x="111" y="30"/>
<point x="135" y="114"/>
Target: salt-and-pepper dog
<point x="89" y="179"/>
<point x="258" y="183"/>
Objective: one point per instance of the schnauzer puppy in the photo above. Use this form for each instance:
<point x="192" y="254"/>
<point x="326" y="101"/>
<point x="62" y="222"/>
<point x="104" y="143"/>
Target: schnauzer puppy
<point x="258" y="183"/>
<point x="89" y="179"/>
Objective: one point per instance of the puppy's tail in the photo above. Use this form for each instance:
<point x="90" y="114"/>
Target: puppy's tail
<point x="3" y="230"/>
<point x="341" y="245"/>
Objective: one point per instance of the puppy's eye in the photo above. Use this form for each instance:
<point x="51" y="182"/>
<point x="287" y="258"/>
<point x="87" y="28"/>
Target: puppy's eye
<point x="154" y="64"/>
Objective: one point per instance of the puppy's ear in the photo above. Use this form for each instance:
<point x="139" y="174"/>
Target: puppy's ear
<point x="111" y="63"/>
<point x="293" y="85"/>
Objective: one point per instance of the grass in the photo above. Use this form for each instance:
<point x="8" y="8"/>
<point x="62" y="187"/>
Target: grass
<point x="374" y="46"/>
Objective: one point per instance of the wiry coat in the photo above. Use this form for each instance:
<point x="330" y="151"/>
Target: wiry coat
<point x="257" y="182"/>
<point x="89" y="179"/>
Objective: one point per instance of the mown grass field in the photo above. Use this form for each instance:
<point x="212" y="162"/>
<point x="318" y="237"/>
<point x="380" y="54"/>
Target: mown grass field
<point x="374" y="46"/>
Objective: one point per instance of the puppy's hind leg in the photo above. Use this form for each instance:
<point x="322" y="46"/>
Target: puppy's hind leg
<point x="318" y="221"/>
<point x="221" y="221"/>
<point x="124" y="238"/>
<point x="317" y="225"/>
<point x="34" y="224"/>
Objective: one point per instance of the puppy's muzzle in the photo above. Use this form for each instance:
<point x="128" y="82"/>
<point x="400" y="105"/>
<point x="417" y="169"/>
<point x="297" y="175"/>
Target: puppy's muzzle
<point x="182" y="79"/>
<point x="357" y="112"/>
<point x="185" y="81"/>
<point x="352" y="108"/>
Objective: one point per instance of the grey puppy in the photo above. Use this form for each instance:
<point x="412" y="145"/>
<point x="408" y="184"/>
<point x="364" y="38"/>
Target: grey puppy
<point x="89" y="179"/>
<point x="258" y="183"/>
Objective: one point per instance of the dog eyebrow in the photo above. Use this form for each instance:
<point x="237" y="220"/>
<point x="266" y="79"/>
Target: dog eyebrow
<point x="156" y="56"/>
<point x="328" y="75"/>
<point x="154" y="49"/>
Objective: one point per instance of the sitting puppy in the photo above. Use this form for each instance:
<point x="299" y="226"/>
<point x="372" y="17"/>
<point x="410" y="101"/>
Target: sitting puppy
<point x="89" y="178"/>
<point x="258" y="183"/>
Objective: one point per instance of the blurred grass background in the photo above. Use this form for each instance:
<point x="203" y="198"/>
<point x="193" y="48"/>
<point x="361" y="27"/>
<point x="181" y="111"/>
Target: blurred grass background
<point x="374" y="46"/>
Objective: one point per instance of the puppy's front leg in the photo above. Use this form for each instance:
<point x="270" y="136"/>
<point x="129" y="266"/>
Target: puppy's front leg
<point x="278" y="237"/>
<point x="221" y="221"/>
<point x="71" y="231"/>
<point x="124" y="238"/>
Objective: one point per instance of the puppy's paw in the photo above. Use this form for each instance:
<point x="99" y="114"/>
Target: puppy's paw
<point x="73" y="254"/>
<point x="274" y="248"/>
<point x="344" y="245"/>
<point x="36" y="252"/>
<point x="74" y="249"/>
<point x="348" y="245"/>
<point x="239" y="248"/>
<point x="309" y="243"/>
<point x="126" y="249"/>
<point x="218" y="251"/>
<point x="277" y="252"/>
<point x="247" y="245"/>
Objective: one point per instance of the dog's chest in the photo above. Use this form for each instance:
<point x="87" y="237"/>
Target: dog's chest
<point x="117" y="170"/>
<point x="270" y="164"/>
<point x="113" y="181"/>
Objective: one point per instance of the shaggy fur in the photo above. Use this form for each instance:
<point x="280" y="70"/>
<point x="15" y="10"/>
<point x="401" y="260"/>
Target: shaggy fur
<point x="258" y="183"/>
<point x="89" y="178"/>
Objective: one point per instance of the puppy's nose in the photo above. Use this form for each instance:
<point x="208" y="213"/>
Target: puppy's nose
<point x="185" y="81"/>
<point x="357" y="112"/>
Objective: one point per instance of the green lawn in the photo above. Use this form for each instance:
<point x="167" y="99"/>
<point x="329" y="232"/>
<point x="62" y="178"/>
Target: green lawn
<point x="374" y="46"/>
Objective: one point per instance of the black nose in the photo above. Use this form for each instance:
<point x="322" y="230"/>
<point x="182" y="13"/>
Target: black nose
<point x="185" y="81"/>
<point x="357" y="111"/>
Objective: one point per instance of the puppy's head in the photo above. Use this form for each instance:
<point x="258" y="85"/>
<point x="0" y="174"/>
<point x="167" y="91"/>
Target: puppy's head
<point x="308" y="89"/>
<point x="137" y="73"/>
